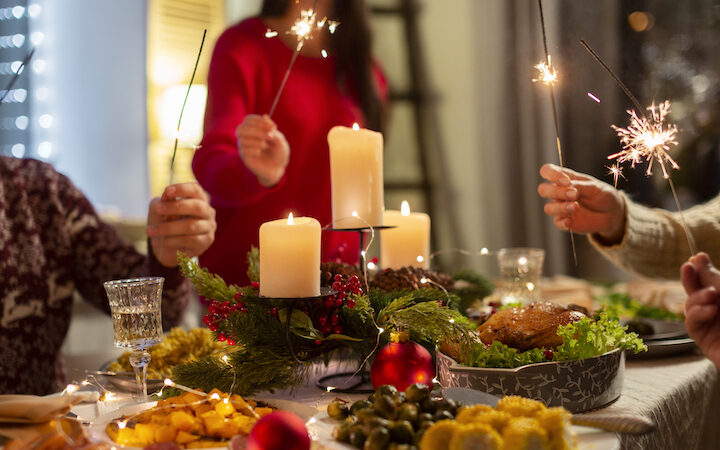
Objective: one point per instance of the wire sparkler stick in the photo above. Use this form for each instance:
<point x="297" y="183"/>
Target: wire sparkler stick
<point x="647" y="138"/>
<point x="17" y="74"/>
<point x="182" y="110"/>
<point x="549" y="77"/>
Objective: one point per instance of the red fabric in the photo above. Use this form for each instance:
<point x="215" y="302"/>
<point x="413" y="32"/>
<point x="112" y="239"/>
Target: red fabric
<point x="245" y="73"/>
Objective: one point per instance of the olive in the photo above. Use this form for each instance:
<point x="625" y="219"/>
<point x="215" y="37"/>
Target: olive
<point x="424" y="425"/>
<point x="338" y="409"/>
<point x="358" y="405"/>
<point x="396" y="446"/>
<point x="409" y="412"/>
<point x="400" y="397"/>
<point x="342" y="433"/>
<point x="365" y="415"/>
<point x="417" y="392"/>
<point x="385" y="407"/>
<point x="419" y="436"/>
<point x="386" y="389"/>
<point x="377" y="422"/>
<point x="429" y="405"/>
<point x="402" y="431"/>
<point x="424" y="417"/>
<point x="357" y="438"/>
<point x="378" y="439"/>
<point x="442" y="415"/>
<point x="447" y="404"/>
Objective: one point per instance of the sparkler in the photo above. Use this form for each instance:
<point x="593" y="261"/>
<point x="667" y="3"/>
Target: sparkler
<point x="182" y="110"/>
<point x="548" y="75"/>
<point x="647" y="138"/>
<point x="616" y="171"/>
<point x="303" y="29"/>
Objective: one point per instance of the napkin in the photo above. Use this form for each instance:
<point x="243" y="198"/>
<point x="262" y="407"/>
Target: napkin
<point x="35" y="409"/>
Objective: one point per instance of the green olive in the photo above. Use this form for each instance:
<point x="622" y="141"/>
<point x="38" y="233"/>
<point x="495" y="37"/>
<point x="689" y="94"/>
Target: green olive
<point x="341" y="433"/>
<point x="409" y="412"/>
<point x="357" y="438"/>
<point x="447" y="404"/>
<point x="402" y="431"/>
<point x="424" y="417"/>
<point x="429" y="405"/>
<point x="442" y="415"/>
<point x="417" y="392"/>
<point x="358" y="405"/>
<point x="377" y="422"/>
<point x="385" y="407"/>
<point x="400" y="398"/>
<point x="424" y="425"/>
<point x="386" y="389"/>
<point x="419" y="435"/>
<point x="365" y="415"/>
<point x="338" y="409"/>
<point x="378" y="439"/>
<point x="396" y="446"/>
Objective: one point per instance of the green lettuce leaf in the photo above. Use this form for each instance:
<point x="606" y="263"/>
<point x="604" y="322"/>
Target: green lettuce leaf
<point x="587" y="338"/>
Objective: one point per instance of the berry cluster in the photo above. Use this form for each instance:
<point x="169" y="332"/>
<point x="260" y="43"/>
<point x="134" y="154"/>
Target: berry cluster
<point x="219" y="311"/>
<point x="327" y="321"/>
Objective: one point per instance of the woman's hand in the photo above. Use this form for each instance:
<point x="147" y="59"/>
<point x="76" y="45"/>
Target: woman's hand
<point x="583" y="203"/>
<point x="181" y="220"/>
<point x="263" y="148"/>
<point x="701" y="281"/>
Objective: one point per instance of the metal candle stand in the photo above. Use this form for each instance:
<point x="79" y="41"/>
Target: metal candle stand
<point x="363" y="376"/>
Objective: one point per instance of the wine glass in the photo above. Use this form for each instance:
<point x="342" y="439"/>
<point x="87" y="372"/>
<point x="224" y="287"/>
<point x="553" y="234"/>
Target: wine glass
<point x="137" y="325"/>
<point x="520" y="270"/>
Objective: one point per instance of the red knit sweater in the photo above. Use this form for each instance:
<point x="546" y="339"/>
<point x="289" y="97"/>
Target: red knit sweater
<point x="245" y="73"/>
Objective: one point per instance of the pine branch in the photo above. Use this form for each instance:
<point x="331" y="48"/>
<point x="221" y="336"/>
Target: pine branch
<point x="471" y="287"/>
<point x="253" y="260"/>
<point x="206" y="284"/>
<point x="430" y="322"/>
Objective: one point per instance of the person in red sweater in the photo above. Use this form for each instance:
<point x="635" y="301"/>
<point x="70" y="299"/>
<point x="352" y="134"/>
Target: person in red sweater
<point x="258" y="168"/>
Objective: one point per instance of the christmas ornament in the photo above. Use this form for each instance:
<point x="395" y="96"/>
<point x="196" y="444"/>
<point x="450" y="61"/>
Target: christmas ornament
<point x="280" y="430"/>
<point x="409" y="278"/>
<point x="401" y="363"/>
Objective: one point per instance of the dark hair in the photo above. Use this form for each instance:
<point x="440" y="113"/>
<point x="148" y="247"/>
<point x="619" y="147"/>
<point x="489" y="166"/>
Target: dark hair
<point x="352" y="46"/>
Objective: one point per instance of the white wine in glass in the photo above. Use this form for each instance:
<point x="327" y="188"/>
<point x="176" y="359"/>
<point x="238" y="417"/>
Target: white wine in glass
<point x="137" y="323"/>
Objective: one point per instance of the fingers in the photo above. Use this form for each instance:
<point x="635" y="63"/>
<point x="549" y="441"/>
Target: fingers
<point x="555" y="192"/>
<point x="701" y="307"/>
<point x="562" y="222"/>
<point x="194" y="207"/>
<point x="181" y="227"/>
<point x="184" y="190"/>
<point x="260" y="122"/>
<point x="552" y="173"/>
<point x="690" y="278"/>
<point x="560" y="208"/>
<point x="193" y="245"/>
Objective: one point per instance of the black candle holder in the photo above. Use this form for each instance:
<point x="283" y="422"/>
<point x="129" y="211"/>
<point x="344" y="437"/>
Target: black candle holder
<point x="361" y="236"/>
<point x="292" y="302"/>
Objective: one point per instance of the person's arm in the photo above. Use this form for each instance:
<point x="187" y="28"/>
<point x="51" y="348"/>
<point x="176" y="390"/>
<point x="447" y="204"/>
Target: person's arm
<point x="233" y="88"/>
<point x="99" y="254"/>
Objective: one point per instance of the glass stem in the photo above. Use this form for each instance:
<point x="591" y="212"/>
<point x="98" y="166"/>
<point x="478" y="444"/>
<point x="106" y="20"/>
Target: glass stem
<point x="139" y="359"/>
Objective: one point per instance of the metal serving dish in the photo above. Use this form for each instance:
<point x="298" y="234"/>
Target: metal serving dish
<point x="578" y="386"/>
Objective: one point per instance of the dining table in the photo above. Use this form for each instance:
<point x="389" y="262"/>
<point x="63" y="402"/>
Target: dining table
<point x="680" y="394"/>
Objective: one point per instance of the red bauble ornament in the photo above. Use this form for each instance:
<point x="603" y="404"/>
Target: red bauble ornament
<point x="402" y="363"/>
<point x="280" y="430"/>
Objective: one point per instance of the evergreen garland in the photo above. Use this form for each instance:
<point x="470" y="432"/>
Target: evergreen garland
<point x="258" y="326"/>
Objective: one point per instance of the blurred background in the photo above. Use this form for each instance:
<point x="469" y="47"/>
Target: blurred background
<point x="467" y="131"/>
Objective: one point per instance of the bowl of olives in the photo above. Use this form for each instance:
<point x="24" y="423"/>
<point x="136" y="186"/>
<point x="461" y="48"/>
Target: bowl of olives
<point x="387" y="419"/>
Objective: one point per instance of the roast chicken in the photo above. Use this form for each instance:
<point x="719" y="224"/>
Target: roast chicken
<point x="527" y="327"/>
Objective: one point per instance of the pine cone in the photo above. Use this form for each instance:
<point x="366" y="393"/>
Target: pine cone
<point x="328" y="270"/>
<point x="409" y="278"/>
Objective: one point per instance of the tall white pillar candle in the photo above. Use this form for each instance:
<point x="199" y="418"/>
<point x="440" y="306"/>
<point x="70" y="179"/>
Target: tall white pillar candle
<point x="290" y="258"/>
<point x="409" y="243"/>
<point x="356" y="173"/>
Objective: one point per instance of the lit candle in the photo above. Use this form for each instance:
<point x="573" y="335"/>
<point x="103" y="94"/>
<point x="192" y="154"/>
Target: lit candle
<point x="409" y="243"/>
<point x="356" y="173"/>
<point x="290" y="258"/>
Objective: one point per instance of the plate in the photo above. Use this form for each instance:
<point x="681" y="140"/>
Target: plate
<point x="662" y="329"/>
<point x="665" y="348"/>
<point x="96" y="430"/>
<point x="127" y="383"/>
<point x="320" y="427"/>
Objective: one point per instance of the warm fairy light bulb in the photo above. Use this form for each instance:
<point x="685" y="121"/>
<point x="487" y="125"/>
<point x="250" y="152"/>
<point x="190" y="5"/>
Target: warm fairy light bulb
<point x="484" y="251"/>
<point x="420" y="258"/>
<point x="108" y="396"/>
<point x="371" y="265"/>
<point x="405" y="208"/>
<point x="354" y="214"/>
<point x="381" y="330"/>
<point x="71" y="388"/>
<point x="363" y="253"/>
<point x="290" y="219"/>
<point x="522" y="261"/>
<point x="270" y="33"/>
<point x="451" y="320"/>
<point x="330" y="388"/>
<point x="122" y="424"/>
<point x="226" y="401"/>
<point x="323" y="53"/>
<point x="530" y="286"/>
<point x="355" y="126"/>
<point x="225" y="359"/>
<point x="215" y="396"/>
<point x="168" y="382"/>
<point x="85" y="383"/>
<point x="423" y="280"/>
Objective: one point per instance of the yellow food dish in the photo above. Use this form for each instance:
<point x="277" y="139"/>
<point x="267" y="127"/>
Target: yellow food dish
<point x="189" y="420"/>
<point x="517" y="423"/>
<point x="177" y="347"/>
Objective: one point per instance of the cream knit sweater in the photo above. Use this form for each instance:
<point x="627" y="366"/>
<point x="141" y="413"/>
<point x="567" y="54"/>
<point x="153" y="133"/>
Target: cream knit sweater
<point x="654" y="243"/>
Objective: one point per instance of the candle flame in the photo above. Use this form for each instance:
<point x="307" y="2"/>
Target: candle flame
<point x="405" y="208"/>
<point x="355" y="126"/>
<point x="290" y="219"/>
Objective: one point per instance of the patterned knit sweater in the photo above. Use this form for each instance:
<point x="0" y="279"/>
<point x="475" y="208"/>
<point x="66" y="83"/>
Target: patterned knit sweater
<point x="52" y="243"/>
<point x="654" y="243"/>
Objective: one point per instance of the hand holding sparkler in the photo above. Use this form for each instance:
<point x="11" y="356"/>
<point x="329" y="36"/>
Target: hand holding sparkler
<point x="596" y="207"/>
<point x="263" y="148"/>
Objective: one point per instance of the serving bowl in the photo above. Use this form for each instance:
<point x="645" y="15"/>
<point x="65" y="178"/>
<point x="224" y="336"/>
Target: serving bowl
<point x="578" y="386"/>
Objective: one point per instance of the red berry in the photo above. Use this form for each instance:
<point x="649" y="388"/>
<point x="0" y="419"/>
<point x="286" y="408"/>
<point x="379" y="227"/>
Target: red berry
<point x="214" y="309"/>
<point x="350" y="303"/>
<point x="255" y="285"/>
<point x="318" y="342"/>
<point x="321" y="321"/>
<point x="374" y="260"/>
<point x="274" y="312"/>
<point x="338" y="277"/>
<point x="357" y="291"/>
<point x="213" y="327"/>
<point x="329" y="302"/>
<point x="231" y="341"/>
<point x="334" y="319"/>
<point x="338" y="302"/>
<point x="221" y="336"/>
<point x="327" y="329"/>
<point x="208" y="319"/>
<point x="548" y="354"/>
<point x="238" y="294"/>
<point x="336" y="286"/>
<point x="341" y="296"/>
<point x="226" y="304"/>
<point x="338" y="329"/>
<point x="354" y="279"/>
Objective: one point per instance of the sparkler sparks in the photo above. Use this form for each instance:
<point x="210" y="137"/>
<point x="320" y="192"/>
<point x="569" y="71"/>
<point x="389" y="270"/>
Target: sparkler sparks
<point x="547" y="73"/>
<point x="648" y="138"/>
<point x="616" y="171"/>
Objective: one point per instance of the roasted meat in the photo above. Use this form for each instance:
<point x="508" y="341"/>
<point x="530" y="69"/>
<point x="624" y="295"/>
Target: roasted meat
<point x="526" y="327"/>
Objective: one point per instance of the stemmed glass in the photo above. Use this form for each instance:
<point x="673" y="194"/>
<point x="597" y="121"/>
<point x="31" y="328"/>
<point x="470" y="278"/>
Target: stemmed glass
<point x="137" y="325"/>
